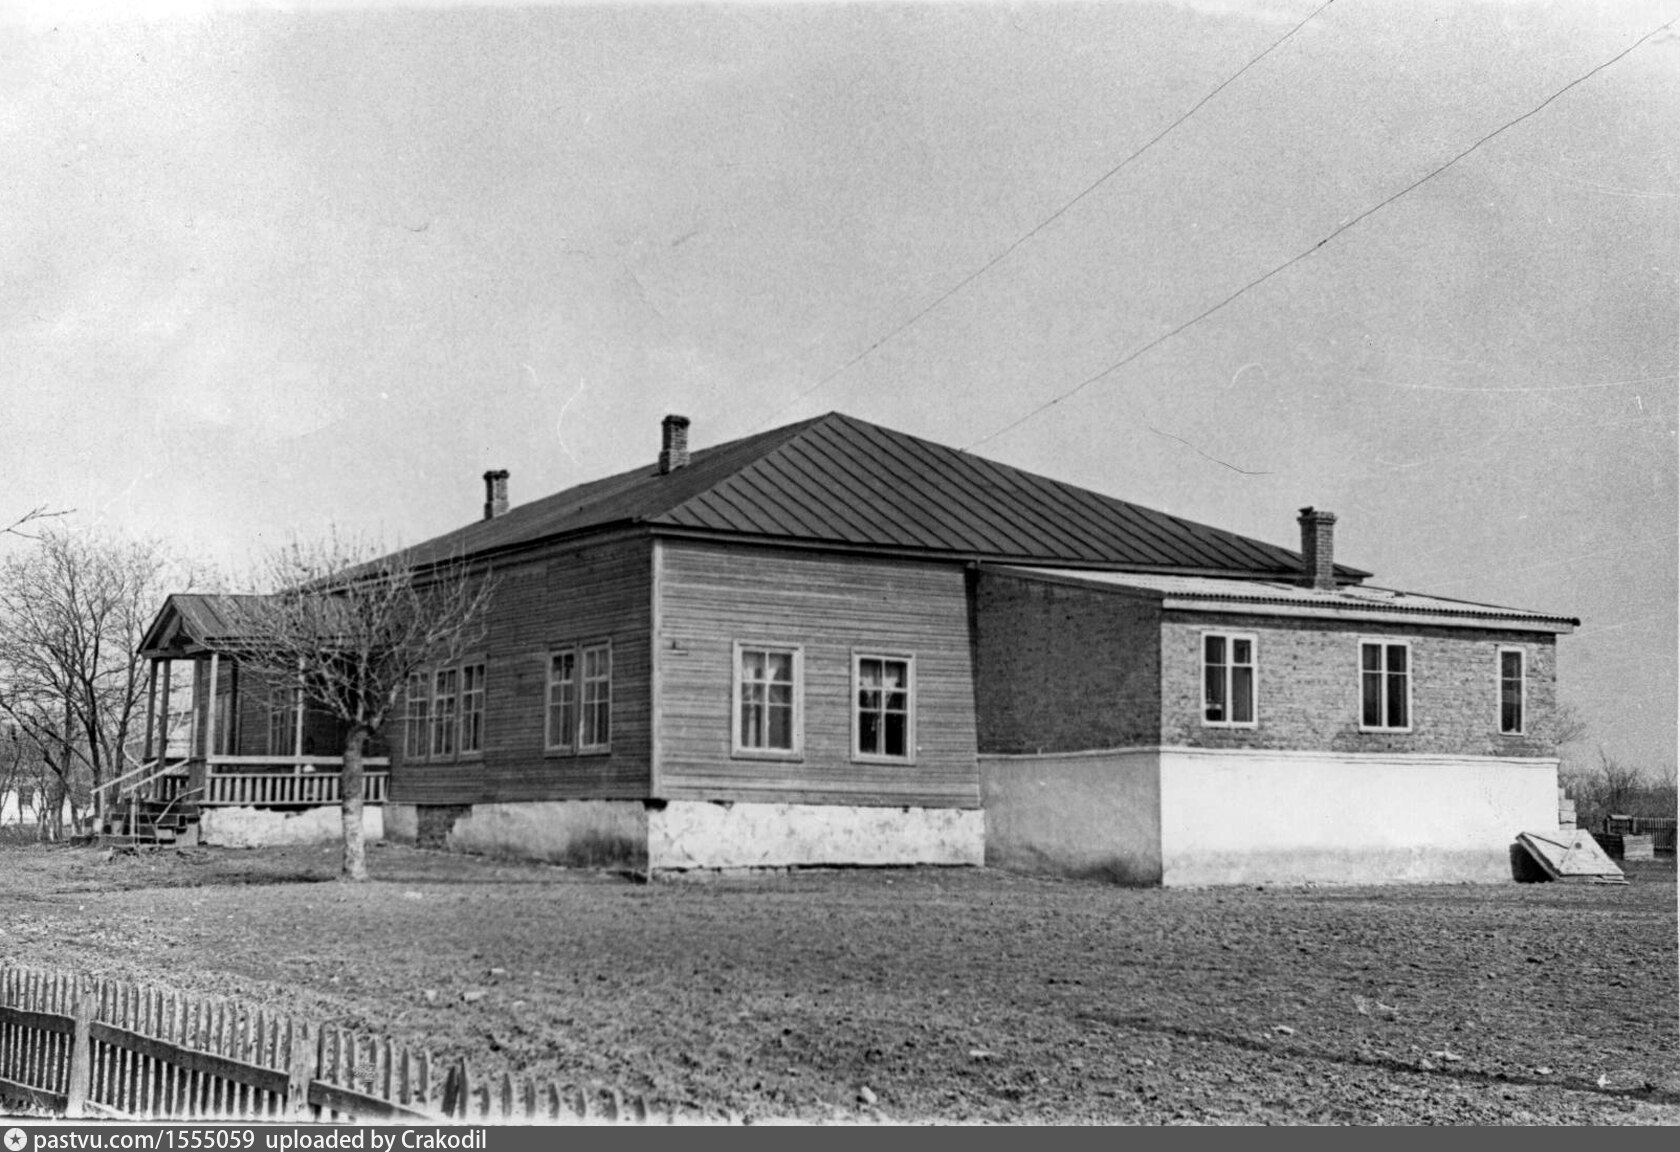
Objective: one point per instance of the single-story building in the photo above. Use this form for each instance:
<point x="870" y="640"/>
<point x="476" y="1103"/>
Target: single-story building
<point x="836" y="644"/>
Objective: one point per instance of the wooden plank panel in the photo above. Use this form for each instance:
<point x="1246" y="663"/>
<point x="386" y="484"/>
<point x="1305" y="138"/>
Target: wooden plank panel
<point x="713" y="595"/>
<point x="359" y="1104"/>
<point x="560" y="597"/>
<point x="35" y="1021"/>
<point x="206" y="1063"/>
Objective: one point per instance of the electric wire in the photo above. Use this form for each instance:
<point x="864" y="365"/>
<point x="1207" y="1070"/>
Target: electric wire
<point x="1300" y="256"/>
<point x="1047" y="221"/>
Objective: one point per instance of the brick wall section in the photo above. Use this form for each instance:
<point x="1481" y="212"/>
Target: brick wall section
<point x="1308" y="674"/>
<point x="434" y="822"/>
<point x="1059" y="668"/>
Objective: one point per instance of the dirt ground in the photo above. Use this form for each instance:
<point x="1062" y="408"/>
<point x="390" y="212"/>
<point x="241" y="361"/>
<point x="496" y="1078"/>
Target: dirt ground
<point x="946" y="995"/>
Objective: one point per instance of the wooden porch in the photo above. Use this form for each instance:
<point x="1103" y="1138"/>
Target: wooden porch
<point x="217" y="735"/>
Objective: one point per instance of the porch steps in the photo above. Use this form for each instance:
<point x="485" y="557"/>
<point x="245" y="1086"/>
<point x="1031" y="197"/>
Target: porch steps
<point x="152" y="822"/>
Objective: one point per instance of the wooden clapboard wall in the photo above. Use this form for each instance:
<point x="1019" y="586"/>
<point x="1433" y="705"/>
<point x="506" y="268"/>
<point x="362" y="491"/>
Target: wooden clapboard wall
<point x="711" y="594"/>
<point x="562" y="596"/>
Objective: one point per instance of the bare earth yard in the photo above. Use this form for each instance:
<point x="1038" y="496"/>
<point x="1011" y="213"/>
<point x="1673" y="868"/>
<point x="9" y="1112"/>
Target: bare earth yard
<point x="951" y="995"/>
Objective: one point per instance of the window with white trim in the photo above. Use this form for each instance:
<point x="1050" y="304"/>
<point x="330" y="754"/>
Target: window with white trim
<point x="579" y="706"/>
<point x="768" y="700"/>
<point x="446" y="686"/>
<point x="443" y="712"/>
<point x="1228" y="688"/>
<point x="282" y="719"/>
<point x="883" y="707"/>
<point x="562" y="701"/>
<point x="596" y="732"/>
<point x="417" y="713"/>
<point x="1385" y="685"/>
<point x="472" y="708"/>
<point x="1513" y="681"/>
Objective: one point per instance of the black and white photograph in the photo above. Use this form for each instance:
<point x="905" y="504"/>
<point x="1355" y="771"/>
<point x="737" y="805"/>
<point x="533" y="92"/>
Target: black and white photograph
<point x="855" y="563"/>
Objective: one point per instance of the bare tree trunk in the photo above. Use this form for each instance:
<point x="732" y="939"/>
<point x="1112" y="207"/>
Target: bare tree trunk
<point x="351" y="789"/>
<point x="52" y="816"/>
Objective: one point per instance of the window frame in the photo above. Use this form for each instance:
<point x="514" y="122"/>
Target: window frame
<point x="908" y="659"/>
<point x="1384" y="643"/>
<point x="1521" y="654"/>
<point x="568" y="747"/>
<point x="462" y="752"/>
<point x="286" y="712"/>
<point x="574" y="745"/>
<point x="600" y="747"/>
<point x="1253" y="667"/>
<point x="424" y="719"/>
<point x="446" y="727"/>
<point x="796" y="723"/>
<point x="421" y="716"/>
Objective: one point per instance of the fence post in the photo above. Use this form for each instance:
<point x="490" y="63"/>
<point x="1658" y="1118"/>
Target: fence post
<point x="301" y="1069"/>
<point x="81" y="1051"/>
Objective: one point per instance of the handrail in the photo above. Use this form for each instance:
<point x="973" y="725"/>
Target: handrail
<point x="161" y="766"/>
<point x="176" y="799"/>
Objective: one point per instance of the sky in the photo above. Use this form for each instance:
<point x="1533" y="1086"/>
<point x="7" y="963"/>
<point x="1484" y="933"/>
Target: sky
<point x="273" y="267"/>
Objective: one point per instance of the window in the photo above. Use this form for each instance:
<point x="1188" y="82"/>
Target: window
<point x="562" y="701"/>
<point x="282" y="719"/>
<point x="884" y="707"/>
<point x="768" y="700"/>
<point x="1385" y="685"/>
<point x="417" y="710"/>
<point x="579" y="698"/>
<point x="443" y="712"/>
<point x="1228" y="680"/>
<point x="472" y="708"/>
<point x="597" y="698"/>
<point x="446" y="685"/>
<point x="1511" y="685"/>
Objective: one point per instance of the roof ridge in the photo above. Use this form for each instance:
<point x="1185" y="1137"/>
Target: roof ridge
<point x="838" y="480"/>
<point x="1065" y="492"/>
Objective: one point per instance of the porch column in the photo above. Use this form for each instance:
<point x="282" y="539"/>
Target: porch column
<point x="163" y="742"/>
<point x="151" y="707"/>
<point x="210" y="707"/>
<point x="297" y="726"/>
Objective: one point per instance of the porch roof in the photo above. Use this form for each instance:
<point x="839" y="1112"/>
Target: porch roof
<point x="194" y="622"/>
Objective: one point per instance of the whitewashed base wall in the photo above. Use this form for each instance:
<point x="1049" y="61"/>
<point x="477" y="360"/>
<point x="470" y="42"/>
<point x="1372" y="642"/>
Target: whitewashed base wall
<point x="260" y="827"/>
<point x="1185" y="816"/>
<point x="681" y="835"/>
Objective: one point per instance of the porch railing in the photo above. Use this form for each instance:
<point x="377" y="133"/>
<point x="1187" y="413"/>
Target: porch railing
<point x="288" y="781"/>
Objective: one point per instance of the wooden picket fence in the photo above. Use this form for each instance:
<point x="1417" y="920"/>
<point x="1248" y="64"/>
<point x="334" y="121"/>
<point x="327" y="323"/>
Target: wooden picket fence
<point x="78" y="1047"/>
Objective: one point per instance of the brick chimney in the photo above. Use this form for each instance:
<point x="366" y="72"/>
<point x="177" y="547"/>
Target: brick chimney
<point x="1318" y="548"/>
<point x="673" y="451"/>
<point x="495" y="494"/>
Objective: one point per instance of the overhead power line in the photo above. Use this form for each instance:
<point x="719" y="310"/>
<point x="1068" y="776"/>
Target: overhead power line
<point x="1048" y="220"/>
<point x="1300" y="256"/>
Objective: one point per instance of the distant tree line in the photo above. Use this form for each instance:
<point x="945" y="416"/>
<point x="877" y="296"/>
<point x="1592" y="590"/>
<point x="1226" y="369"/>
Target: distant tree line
<point x="1614" y="787"/>
<point x="73" y="608"/>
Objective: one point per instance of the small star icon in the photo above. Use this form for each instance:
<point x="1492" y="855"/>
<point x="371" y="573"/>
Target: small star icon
<point x="16" y="1140"/>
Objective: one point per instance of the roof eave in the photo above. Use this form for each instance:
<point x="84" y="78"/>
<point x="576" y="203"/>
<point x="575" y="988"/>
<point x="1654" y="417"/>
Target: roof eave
<point x="954" y="556"/>
<point x="1370" y="613"/>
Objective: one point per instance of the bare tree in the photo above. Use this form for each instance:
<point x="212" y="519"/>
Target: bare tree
<point x="73" y="609"/>
<point x="26" y="775"/>
<point x="350" y="631"/>
<point x="39" y="512"/>
<point x="1566" y="725"/>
